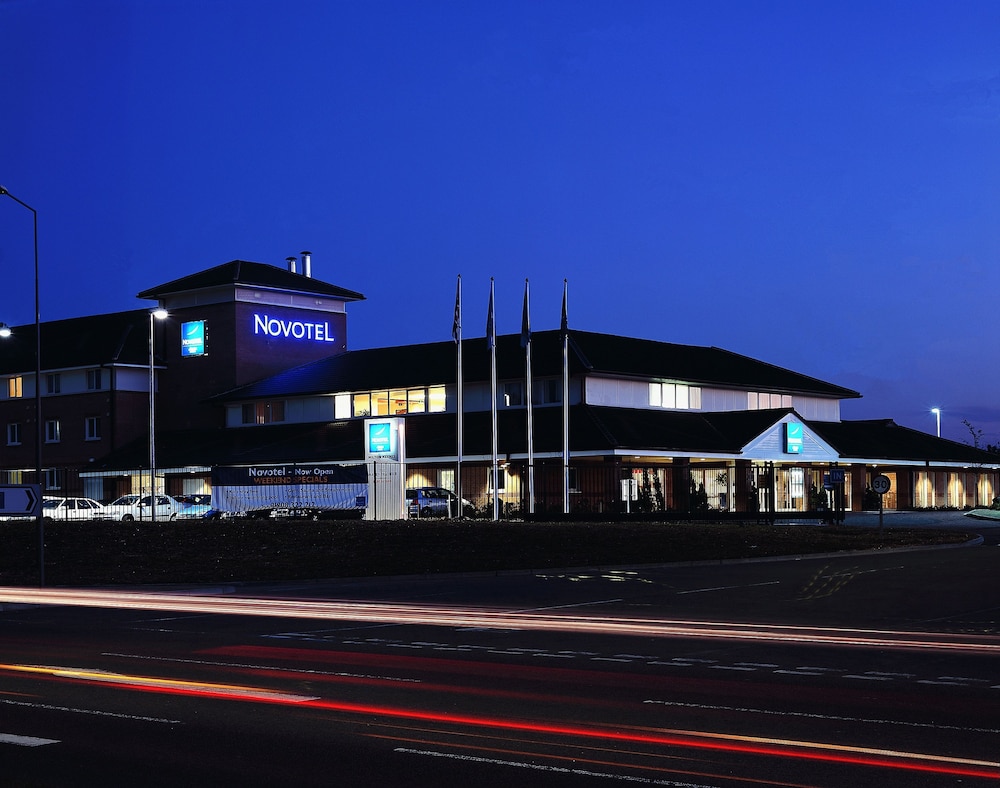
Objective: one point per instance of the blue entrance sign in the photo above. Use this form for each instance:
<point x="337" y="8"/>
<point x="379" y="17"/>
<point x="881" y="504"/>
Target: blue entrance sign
<point x="793" y="438"/>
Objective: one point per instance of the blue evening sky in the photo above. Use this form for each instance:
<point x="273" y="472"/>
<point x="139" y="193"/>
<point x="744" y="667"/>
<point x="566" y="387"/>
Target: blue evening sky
<point x="814" y="184"/>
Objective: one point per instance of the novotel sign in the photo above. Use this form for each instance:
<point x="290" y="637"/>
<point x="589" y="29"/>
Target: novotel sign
<point x="292" y="329"/>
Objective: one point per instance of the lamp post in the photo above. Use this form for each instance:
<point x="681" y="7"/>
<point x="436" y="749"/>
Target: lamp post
<point x="156" y="314"/>
<point x="937" y="413"/>
<point x="38" y="394"/>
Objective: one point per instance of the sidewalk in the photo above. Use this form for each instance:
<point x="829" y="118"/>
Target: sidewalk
<point x="894" y="519"/>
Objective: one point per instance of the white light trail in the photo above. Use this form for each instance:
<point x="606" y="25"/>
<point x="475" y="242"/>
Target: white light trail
<point x="466" y="617"/>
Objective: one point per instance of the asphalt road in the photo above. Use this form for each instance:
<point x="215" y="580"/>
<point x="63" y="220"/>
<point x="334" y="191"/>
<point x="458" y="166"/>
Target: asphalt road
<point x="850" y="670"/>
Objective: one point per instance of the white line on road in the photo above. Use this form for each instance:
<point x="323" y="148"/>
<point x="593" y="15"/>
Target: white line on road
<point x="727" y="588"/>
<point x="25" y="741"/>
<point x="95" y="712"/>
<point x="542" y="768"/>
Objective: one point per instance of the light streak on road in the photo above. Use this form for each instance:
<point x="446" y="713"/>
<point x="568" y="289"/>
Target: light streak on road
<point x="657" y="737"/>
<point x="151" y="683"/>
<point x="458" y="616"/>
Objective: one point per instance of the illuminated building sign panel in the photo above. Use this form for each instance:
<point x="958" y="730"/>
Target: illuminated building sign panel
<point x="306" y="331"/>
<point x="793" y="438"/>
<point x="193" y="339"/>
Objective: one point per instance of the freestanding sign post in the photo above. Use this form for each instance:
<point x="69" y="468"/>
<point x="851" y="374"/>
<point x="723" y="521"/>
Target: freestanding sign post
<point x="881" y="484"/>
<point x="24" y="500"/>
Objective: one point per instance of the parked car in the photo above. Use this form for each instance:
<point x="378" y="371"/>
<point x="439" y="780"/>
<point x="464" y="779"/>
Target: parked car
<point x="197" y="499"/>
<point x="54" y="508"/>
<point x="433" y="502"/>
<point x="139" y="507"/>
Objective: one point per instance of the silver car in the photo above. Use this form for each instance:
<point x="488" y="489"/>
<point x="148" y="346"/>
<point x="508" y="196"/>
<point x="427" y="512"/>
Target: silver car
<point x="140" y="507"/>
<point x="54" y="508"/>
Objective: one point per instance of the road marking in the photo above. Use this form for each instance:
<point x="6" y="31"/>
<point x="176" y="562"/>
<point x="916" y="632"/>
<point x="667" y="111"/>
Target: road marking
<point x="727" y="588"/>
<point x="95" y="712"/>
<point x="250" y="666"/>
<point x="25" y="741"/>
<point x="542" y="768"/>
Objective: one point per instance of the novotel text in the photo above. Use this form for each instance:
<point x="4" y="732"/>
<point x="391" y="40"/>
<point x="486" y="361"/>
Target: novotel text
<point x="292" y="329"/>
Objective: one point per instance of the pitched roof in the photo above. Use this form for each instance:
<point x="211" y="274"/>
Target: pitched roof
<point x="115" y="338"/>
<point x="883" y="439"/>
<point x="435" y="363"/>
<point x="593" y="430"/>
<point x="241" y="272"/>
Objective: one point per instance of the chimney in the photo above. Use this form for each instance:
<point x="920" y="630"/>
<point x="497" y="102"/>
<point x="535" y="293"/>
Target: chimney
<point x="291" y="263"/>
<point x="307" y="264"/>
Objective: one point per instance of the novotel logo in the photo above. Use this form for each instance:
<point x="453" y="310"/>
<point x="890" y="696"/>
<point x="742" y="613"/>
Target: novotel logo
<point x="292" y="329"/>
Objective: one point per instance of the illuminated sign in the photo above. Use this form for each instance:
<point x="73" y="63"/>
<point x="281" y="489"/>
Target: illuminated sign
<point x="292" y="329"/>
<point x="193" y="338"/>
<point x="381" y="438"/>
<point x="793" y="438"/>
<point x="384" y="439"/>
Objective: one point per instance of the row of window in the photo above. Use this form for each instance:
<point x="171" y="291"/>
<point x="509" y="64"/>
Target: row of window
<point x="53" y="431"/>
<point x="765" y="401"/>
<point x="678" y="396"/>
<point x="399" y="402"/>
<point x="395" y="402"/>
<point x="53" y="383"/>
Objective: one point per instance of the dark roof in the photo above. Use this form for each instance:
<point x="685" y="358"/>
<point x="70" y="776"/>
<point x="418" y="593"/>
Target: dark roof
<point x="241" y="272"/>
<point x="334" y="442"/>
<point x="592" y="429"/>
<point x="435" y="363"/>
<point x="876" y="439"/>
<point x="116" y="338"/>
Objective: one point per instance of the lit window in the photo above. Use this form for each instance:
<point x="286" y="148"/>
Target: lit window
<point x="13" y="434"/>
<point x="52" y="431"/>
<point x="397" y="402"/>
<point x="435" y="399"/>
<point x="362" y="404"/>
<point x="501" y="480"/>
<point x="380" y="403"/>
<point x="92" y="428"/>
<point x="416" y="400"/>
<point x="14" y="387"/>
<point x="678" y="396"/>
<point x="681" y="397"/>
<point x="655" y="395"/>
<point x="342" y="406"/>
<point x="669" y="396"/>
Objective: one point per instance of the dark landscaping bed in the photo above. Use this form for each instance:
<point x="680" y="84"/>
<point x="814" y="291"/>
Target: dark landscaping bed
<point x="105" y="553"/>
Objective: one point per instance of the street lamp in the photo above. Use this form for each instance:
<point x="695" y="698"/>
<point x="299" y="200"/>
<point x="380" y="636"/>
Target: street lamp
<point x="156" y="314"/>
<point x="937" y="412"/>
<point x="38" y="394"/>
<point x="5" y="331"/>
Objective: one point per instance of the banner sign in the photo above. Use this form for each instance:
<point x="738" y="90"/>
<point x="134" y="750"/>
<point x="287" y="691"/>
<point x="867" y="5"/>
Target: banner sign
<point x="193" y="338"/>
<point x="315" y="486"/>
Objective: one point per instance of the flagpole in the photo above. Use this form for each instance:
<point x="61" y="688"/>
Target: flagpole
<point x="491" y="339"/>
<point x="526" y="344"/>
<point x="564" y="330"/>
<point x="456" y="332"/>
